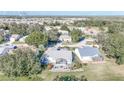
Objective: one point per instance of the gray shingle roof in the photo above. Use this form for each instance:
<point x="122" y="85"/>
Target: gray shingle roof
<point x="88" y="51"/>
<point x="62" y="53"/>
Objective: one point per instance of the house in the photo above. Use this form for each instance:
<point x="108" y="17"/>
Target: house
<point x="4" y="32"/>
<point x="65" y="38"/>
<point x="3" y="51"/>
<point x="47" y="28"/>
<point x="55" y="54"/>
<point x="91" y="31"/>
<point x="63" y="32"/>
<point x="60" y="58"/>
<point x="14" y="37"/>
<point x="90" y="42"/>
<point x="6" y="49"/>
<point x="89" y="54"/>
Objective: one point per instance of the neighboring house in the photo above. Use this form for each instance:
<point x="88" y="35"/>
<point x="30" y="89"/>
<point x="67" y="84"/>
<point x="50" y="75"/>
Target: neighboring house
<point x="74" y="27"/>
<point x="65" y="38"/>
<point x="90" y="42"/>
<point x="7" y="37"/>
<point x="63" y="32"/>
<point x="47" y="28"/>
<point x="6" y="49"/>
<point x="14" y="37"/>
<point x="3" y="32"/>
<point x="91" y="31"/>
<point x="88" y="54"/>
<point x="3" y="51"/>
<point x="60" y="58"/>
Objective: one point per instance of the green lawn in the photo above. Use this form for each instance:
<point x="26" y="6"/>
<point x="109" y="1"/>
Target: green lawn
<point x="94" y="72"/>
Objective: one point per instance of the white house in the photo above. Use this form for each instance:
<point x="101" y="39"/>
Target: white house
<point x="54" y="55"/>
<point x="88" y="54"/>
<point x="65" y="38"/>
<point x="14" y="38"/>
<point x="60" y="58"/>
<point x="63" y="32"/>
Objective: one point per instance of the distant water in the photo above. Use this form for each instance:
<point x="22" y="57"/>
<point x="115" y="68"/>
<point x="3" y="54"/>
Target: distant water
<point x="61" y="13"/>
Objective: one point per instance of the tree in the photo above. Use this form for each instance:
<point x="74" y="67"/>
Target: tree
<point x="20" y="63"/>
<point x="53" y="36"/>
<point x="18" y="28"/>
<point x="64" y="27"/>
<point x="76" y="35"/>
<point x="1" y="39"/>
<point x="37" y="38"/>
<point x="116" y="27"/>
<point x="113" y="45"/>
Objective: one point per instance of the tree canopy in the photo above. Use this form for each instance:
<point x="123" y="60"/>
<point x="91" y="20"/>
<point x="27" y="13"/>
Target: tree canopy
<point x="37" y="38"/>
<point x="65" y="27"/>
<point x="20" y="63"/>
<point x="76" y="35"/>
<point x="113" y="45"/>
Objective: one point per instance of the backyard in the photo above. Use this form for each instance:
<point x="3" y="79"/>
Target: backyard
<point x="107" y="71"/>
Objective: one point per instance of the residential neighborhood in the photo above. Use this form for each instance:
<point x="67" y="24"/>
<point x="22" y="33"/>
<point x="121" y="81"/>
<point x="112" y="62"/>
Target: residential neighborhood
<point x="54" y="46"/>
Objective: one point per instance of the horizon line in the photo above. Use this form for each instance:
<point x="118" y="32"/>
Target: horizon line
<point x="61" y="13"/>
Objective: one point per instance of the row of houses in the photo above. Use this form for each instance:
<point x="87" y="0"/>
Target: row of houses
<point x="62" y="58"/>
<point x="14" y="37"/>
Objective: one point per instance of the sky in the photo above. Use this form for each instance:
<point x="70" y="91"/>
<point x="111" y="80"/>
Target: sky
<point x="63" y="13"/>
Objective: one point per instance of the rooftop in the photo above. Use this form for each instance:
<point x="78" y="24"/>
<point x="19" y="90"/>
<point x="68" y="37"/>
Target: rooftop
<point x="65" y="37"/>
<point x="88" y="51"/>
<point x="58" y="54"/>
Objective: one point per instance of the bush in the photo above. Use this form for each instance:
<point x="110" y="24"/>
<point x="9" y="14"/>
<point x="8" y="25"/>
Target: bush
<point x="77" y="65"/>
<point x="70" y="78"/>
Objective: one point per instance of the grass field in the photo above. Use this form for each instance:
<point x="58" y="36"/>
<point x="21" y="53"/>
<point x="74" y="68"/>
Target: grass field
<point x="108" y="71"/>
